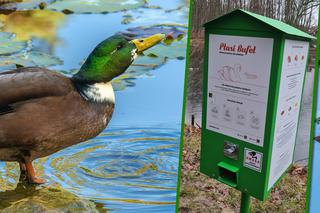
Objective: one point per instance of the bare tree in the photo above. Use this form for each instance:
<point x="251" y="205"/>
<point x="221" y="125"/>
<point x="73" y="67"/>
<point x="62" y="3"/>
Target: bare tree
<point x="297" y="13"/>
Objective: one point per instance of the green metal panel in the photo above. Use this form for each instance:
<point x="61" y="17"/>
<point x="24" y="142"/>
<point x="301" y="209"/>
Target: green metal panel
<point x="280" y="25"/>
<point x="277" y="77"/>
<point x="238" y="20"/>
<point x="212" y="143"/>
<point x="213" y="162"/>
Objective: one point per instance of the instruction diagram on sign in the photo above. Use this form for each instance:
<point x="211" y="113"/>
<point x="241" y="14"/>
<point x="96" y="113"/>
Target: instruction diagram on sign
<point x="291" y="83"/>
<point x="238" y="83"/>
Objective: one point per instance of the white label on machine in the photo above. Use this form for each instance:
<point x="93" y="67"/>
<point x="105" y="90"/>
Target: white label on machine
<point x="292" y="77"/>
<point x="238" y="83"/>
<point x="252" y="159"/>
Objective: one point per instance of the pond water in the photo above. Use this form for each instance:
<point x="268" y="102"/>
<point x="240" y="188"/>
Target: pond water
<point x="132" y="165"/>
<point x="314" y="204"/>
<point x="126" y="169"/>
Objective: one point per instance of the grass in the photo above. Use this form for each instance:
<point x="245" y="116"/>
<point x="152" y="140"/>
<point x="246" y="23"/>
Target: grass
<point x="202" y="194"/>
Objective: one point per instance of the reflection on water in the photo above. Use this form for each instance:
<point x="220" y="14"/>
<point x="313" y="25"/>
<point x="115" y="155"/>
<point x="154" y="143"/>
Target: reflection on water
<point x="194" y="97"/>
<point x="30" y="24"/>
<point x="27" y="198"/>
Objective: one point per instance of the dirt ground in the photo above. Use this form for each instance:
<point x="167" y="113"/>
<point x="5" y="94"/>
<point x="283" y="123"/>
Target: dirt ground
<point x="202" y="194"/>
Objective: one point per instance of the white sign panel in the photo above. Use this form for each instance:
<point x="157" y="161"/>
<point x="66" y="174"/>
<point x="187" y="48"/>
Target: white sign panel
<point x="252" y="159"/>
<point x="292" y="76"/>
<point x="238" y="84"/>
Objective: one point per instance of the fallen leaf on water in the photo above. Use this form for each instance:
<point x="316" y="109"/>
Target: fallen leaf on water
<point x="97" y="6"/>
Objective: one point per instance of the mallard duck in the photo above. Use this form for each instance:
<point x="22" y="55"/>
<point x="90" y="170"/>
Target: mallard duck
<point x="43" y="111"/>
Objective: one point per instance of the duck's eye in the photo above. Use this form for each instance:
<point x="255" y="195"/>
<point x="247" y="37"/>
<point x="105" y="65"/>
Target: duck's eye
<point x="141" y="40"/>
<point x="120" y="46"/>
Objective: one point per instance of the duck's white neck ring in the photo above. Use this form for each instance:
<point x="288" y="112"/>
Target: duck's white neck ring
<point x="97" y="92"/>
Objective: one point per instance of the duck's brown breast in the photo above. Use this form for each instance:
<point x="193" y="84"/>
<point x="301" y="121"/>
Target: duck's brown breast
<point x="46" y="125"/>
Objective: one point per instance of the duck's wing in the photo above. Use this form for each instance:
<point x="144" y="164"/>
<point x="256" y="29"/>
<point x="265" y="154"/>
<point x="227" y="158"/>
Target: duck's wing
<point x="27" y="95"/>
<point x="29" y="83"/>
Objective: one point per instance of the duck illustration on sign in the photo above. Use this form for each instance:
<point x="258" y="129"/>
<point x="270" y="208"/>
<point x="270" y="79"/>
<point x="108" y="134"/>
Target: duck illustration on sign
<point x="233" y="73"/>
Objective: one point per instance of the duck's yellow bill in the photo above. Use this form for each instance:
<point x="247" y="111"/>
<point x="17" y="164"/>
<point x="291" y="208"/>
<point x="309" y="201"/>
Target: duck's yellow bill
<point x="143" y="44"/>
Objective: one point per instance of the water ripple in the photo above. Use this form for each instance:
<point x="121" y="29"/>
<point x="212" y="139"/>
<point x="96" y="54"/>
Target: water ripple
<point x="133" y="168"/>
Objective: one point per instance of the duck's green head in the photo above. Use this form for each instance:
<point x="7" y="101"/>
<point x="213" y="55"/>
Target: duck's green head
<point x="112" y="57"/>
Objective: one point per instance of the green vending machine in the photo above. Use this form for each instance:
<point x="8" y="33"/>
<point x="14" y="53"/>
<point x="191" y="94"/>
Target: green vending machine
<point x="254" y="72"/>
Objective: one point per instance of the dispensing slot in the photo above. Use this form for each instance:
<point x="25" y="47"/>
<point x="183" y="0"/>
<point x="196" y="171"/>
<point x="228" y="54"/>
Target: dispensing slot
<point x="228" y="174"/>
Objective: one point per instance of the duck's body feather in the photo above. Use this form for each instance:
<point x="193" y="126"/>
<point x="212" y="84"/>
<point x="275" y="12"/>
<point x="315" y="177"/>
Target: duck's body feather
<point x="42" y="112"/>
